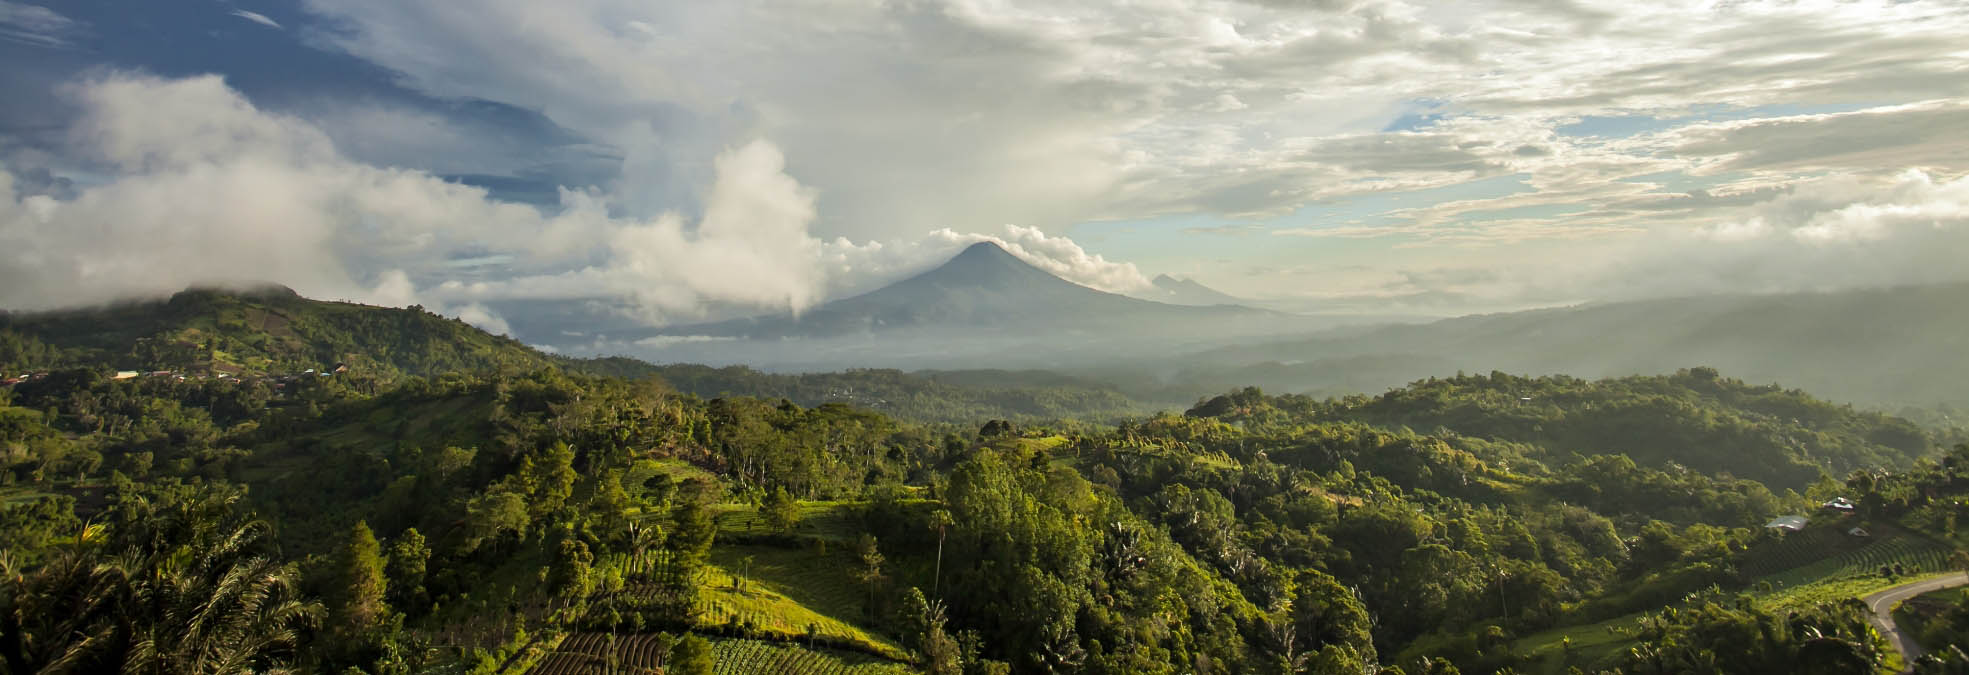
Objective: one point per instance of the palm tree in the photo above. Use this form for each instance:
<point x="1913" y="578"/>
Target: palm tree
<point x="941" y="520"/>
<point x="225" y="612"/>
<point x="61" y="616"/>
<point x="187" y="594"/>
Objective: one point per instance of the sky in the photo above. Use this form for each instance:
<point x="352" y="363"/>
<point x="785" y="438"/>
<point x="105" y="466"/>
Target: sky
<point x="686" y="159"/>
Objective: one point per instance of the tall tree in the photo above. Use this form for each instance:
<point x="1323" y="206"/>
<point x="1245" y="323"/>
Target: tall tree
<point x="409" y="554"/>
<point x="690" y="656"/>
<point x="359" y="572"/>
<point x="781" y="511"/>
<point x="871" y="567"/>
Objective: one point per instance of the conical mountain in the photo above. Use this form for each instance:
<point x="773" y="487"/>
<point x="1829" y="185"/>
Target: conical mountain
<point x="982" y="289"/>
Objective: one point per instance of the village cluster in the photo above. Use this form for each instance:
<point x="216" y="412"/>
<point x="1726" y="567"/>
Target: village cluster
<point x="278" y="381"/>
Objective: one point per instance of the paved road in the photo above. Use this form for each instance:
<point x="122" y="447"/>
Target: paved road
<point x="1882" y="604"/>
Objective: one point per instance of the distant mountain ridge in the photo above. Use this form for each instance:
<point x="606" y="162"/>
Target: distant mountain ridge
<point x="1883" y="346"/>
<point x="1187" y="292"/>
<point x="983" y="288"/>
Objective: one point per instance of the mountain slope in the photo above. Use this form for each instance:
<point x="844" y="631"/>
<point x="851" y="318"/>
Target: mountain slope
<point x="982" y="288"/>
<point x="1881" y="346"/>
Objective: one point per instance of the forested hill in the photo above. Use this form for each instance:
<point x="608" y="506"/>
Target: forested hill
<point x="954" y="396"/>
<point x="268" y="330"/>
<point x="1695" y="418"/>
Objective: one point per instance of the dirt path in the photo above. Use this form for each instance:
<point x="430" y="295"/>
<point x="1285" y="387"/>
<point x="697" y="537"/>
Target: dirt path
<point x="1882" y="603"/>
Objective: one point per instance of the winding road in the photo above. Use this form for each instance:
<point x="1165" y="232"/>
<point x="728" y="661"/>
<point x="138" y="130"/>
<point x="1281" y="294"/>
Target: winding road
<point x="1882" y="605"/>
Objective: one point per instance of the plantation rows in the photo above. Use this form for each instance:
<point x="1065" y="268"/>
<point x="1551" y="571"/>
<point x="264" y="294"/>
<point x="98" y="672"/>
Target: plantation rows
<point x="589" y="653"/>
<point x="744" y="657"/>
<point x="1915" y="555"/>
<point x="586" y="653"/>
<point x="1797" y="550"/>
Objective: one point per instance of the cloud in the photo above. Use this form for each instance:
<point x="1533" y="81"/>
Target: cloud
<point x="1846" y="210"/>
<point x="1826" y="233"/>
<point x="207" y="188"/>
<point x="478" y="315"/>
<point x="37" y="26"/>
<point x="1063" y="258"/>
<point x="901" y="118"/>
<point x="256" y="17"/>
<point x="962" y="115"/>
<point x="1408" y="151"/>
<point x="1929" y="134"/>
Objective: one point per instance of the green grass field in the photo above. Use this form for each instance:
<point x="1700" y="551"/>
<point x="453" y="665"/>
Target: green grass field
<point x="832" y="521"/>
<point x="1591" y="644"/>
<point x="783" y="591"/>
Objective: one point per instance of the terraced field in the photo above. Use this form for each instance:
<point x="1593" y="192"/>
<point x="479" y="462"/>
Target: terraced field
<point x="1797" y="550"/>
<point x="743" y="657"/>
<point x="585" y="653"/>
<point x="1914" y="554"/>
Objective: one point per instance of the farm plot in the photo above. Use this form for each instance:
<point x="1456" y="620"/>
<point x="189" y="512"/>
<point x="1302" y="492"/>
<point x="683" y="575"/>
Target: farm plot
<point x="639" y="654"/>
<point x="784" y="594"/>
<point x="1915" y="556"/>
<point x="742" y="657"/>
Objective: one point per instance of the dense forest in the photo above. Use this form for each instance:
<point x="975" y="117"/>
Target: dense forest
<point x="455" y="502"/>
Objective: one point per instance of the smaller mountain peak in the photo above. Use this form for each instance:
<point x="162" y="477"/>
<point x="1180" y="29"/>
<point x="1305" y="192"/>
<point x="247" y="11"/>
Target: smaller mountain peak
<point x="984" y="248"/>
<point x="1161" y="279"/>
<point x="985" y="254"/>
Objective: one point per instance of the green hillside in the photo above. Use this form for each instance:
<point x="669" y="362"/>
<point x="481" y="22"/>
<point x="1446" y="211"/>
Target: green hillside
<point x="1695" y="418"/>
<point x="270" y="330"/>
<point x="508" y="511"/>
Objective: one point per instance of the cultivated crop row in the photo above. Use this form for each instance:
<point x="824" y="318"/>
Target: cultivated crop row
<point x="598" y="654"/>
<point x="1912" y="555"/>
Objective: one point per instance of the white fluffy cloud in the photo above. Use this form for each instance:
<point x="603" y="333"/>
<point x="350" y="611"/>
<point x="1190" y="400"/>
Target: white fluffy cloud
<point x="207" y="188"/>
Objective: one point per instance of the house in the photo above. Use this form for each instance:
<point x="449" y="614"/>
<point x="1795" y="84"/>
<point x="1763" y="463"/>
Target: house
<point x="124" y="375"/>
<point x="1787" y="523"/>
<point x="1858" y="532"/>
<point x="1839" y="504"/>
<point x="341" y="368"/>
